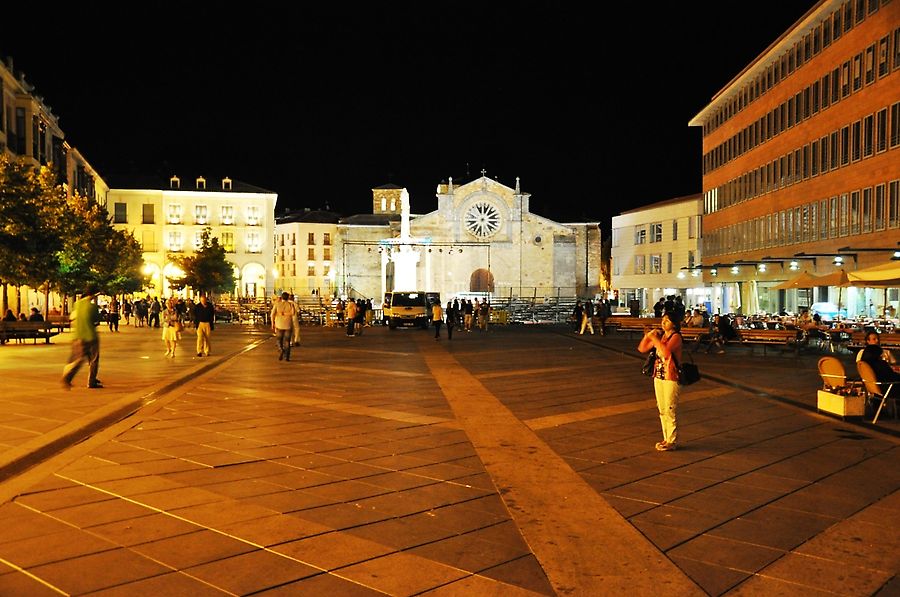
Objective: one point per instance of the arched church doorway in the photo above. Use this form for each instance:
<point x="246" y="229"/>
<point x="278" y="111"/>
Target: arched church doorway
<point x="481" y="280"/>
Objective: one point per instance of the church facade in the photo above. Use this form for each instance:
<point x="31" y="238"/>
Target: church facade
<point x="482" y="240"/>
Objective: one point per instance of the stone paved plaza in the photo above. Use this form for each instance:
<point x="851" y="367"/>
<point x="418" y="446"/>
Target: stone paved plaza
<point x="519" y="461"/>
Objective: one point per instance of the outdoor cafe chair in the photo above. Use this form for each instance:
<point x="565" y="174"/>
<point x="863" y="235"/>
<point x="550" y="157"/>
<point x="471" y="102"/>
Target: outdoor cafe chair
<point x="876" y="389"/>
<point x="834" y="376"/>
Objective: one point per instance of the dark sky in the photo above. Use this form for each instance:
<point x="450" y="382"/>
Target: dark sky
<point x="589" y="109"/>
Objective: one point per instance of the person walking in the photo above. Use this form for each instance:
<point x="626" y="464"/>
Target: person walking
<point x="295" y="331"/>
<point x="205" y="322"/>
<point x="587" y="317"/>
<point x="437" y="319"/>
<point x="86" y="342"/>
<point x="283" y="313"/>
<point x="577" y="316"/>
<point x="172" y="326"/>
<point x="452" y="315"/>
<point x="467" y="314"/>
<point x="667" y="343"/>
<point x="155" y="310"/>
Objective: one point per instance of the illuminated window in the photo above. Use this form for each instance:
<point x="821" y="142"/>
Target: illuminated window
<point x="201" y="214"/>
<point x="640" y="235"/>
<point x="227" y="215"/>
<point x="655" y="264"/>
<point x="326" y="238"/>
<point x="253" y="215"/>
<point x="310" y="270"/>
<point x="327" y="256"/>
<point x="253" y="242"/>
<point x="198" y="240"/>
<point x="176" y="242"/>
<point x="311" y="254"/>
<point x="228" y="241"/>
<point x="655" y="233"/>
<point x="311" y="238"/>
<point x="639" y="264"/>
<point x="174" y="214"/>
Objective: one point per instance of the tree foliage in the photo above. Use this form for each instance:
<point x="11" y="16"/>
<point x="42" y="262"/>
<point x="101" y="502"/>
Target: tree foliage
<point x="58" y="242"/>
<point x="207" y="270"/>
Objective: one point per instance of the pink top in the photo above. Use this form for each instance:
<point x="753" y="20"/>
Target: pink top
<point x="665" y="348"/>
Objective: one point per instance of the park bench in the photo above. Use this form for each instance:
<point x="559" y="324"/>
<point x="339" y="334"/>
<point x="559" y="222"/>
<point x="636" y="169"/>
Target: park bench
<point x="784" y="339"/>
<point x="25" y="330"/>
<point x="59" y="322"/>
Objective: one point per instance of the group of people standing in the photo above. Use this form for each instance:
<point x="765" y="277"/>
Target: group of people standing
<point x="463" y="314"/>
<point x="583" y="315"/>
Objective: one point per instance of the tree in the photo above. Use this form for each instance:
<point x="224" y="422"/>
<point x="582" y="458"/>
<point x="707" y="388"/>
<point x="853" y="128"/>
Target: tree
<point x="207" y="270"/>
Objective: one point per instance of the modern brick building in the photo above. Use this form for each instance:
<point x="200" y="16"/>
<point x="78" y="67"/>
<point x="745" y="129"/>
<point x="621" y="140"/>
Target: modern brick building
<point x="801" y="168"/>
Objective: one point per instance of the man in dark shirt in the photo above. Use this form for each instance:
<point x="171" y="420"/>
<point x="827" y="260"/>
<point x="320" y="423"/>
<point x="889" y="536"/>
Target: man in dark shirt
<point x="205" y="322"/>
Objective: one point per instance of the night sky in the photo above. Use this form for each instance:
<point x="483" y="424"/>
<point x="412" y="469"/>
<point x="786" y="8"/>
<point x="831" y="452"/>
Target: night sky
<point x="323" y="104"/>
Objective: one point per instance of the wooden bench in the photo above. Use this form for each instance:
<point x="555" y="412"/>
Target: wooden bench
<point x="60" y="322"/>
<point x="24" y="330"/>
<point x="782" y="338"/>
<point x="630" y="325"/>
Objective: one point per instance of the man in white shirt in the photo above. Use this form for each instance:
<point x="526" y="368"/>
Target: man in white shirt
<point x="282" y="325"/>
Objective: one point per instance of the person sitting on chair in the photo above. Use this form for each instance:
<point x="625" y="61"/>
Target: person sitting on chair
<point x="873" y="339"/>
<point x="884" y="374"/>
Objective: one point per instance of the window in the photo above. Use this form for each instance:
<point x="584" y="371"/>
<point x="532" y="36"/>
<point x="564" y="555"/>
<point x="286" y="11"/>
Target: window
<point x="327" y="254"/>
<point x="198" y="240"/>
<point x="121" y="213"/>
<point x="311" y="254"/>
<point x="823" y="219"/>
<point x="834" y="219"/>
<point x="845" y="79"/>
<point x="148" y="215"/>
<point x="310" y="270"/>
<point x="148" y="241"/>
<point x="311" y="238"/>
<point x="253" y="215"/>
<point x="868" y="135"/>
<point x="692" y="232"/>
<point x="655" y="264"/>
<point x="857" y="72"/>
<point x="326" y="238"/>
<point x="867" y="210"/>
<point x="880" y="208"/>
<point x="674" y="229"/>
<point x="227" y="241"/>
<point x="692" y="259"/>
<point x="227" y="215"/>
<point x="640" y="235"/>
<point x="856" y="140"/>
<point x="895" y="124"/>
<point x="845" y="146"/>
<point x="869" y="65"/>
<point x="655" y="233"/>
<point x="176" y="242"/>
<point x="883" y="48"/>
<point x="854" y="212"/>
<point x="893" y="204"/>
<point x="881" y="130"/>
<point x="639" y="264"/>
<point x="201" y="215"/>
<point x="845" y="214"/>
<point x="669" y="263"/>
<point x="174" y="214"/>
<point x="254" y="244"/>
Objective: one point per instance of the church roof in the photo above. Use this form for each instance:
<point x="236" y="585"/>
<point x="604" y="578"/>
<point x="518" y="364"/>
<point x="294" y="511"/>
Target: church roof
<point x="389" y="185"/>
<point x="370" y="219"/>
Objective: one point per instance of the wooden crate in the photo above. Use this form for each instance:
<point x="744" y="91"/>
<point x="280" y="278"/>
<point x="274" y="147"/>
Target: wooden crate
<point x="842" y="406"/>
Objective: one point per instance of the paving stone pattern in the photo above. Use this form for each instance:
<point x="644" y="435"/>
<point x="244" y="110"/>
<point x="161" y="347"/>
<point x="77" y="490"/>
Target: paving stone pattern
<point x="514" y="462"/>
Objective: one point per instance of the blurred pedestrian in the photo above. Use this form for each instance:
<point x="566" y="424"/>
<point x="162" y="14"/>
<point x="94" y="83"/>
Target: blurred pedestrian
<point x="282" y="316"/>
<point x="204" y="317"/>
<point x="85" y="318"/>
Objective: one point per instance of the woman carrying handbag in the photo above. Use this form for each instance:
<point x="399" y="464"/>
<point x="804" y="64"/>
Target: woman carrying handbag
<point x="667" y="342"/>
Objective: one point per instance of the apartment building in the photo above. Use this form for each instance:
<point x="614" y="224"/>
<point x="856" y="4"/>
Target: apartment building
<point x="655" y="251"/>
<point x="801" y="169"/>
<point x="305" y="259"/>
<point x="169" y="217"/>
